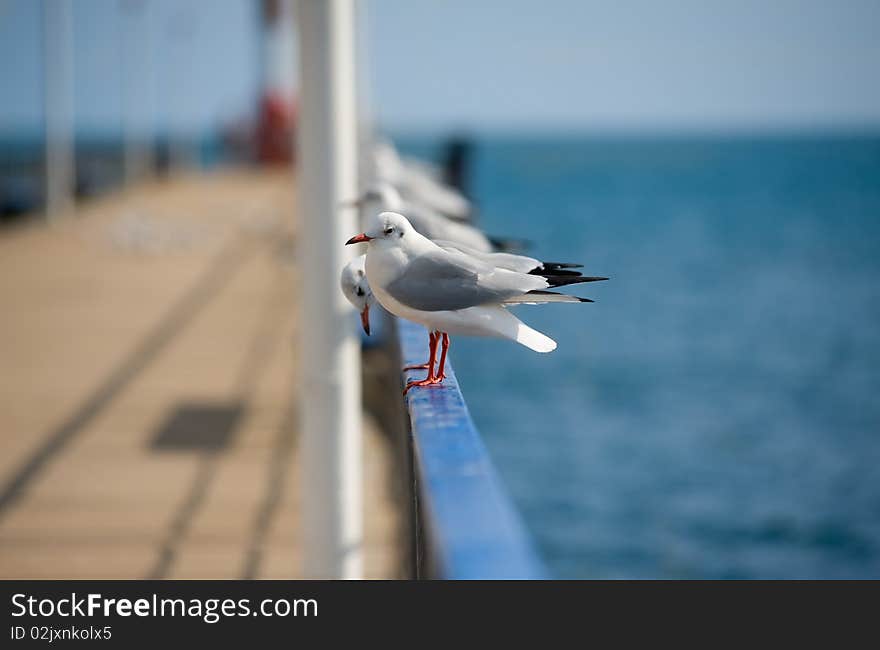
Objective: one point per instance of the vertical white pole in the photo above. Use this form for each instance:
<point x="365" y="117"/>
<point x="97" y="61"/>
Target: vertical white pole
<point x="58" y="65"/>
<point x="330" y="391"/>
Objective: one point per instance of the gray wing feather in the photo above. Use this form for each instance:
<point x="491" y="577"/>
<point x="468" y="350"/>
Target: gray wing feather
<point x="447" y="280"/>
<point x="509" y="261"/>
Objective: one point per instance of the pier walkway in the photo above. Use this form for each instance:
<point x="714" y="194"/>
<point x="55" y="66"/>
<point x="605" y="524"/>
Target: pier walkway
<point x="147" y="424"/>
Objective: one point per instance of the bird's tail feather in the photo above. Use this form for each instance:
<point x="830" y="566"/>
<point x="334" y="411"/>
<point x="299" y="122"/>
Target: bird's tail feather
<point x="506" y="325"/>
<point x="533" y="339"/>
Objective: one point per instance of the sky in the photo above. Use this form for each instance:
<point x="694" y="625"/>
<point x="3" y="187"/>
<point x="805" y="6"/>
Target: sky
<point x="203" y="65"/>
<point x="629" y="64"/>
<point x="488" y="64"/>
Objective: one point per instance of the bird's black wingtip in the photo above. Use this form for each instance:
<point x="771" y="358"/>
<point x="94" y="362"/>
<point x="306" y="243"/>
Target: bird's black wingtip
<point x="561" y="265"/>
<point x="561" y="281"/>
<point x="545" y="272"/>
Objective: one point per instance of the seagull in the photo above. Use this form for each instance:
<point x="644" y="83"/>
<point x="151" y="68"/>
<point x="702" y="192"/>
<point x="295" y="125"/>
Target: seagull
<point x="416" y="182"/>
<point x="427" y="221"/>
<point x="356" y="288"/>
<point x="451" y="292"/>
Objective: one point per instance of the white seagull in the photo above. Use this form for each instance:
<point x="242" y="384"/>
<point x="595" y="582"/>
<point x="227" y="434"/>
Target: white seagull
<point x="415" y="181"/>
<point x="356" y="288"/>
<point x="451" y="292"/>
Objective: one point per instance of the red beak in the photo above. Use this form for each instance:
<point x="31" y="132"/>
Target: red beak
<point x="365" y="319"/>
<point x="357" y="239"/>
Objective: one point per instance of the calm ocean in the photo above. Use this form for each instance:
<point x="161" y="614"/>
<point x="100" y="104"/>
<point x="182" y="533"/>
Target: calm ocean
<point x="716" y="412"/>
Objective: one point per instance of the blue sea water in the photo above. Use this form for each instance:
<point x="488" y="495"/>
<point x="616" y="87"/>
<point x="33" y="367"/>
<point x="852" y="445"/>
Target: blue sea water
<point x="716" y="412"/>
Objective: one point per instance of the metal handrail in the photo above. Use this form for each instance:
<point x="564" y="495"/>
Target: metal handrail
<point x="473" y="530"/>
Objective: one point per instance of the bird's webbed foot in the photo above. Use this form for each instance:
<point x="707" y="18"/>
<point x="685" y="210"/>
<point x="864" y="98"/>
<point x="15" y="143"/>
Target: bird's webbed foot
<point x="428" y="381"/>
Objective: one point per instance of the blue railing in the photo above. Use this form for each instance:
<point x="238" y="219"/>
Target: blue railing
<point x="473" y="529"/>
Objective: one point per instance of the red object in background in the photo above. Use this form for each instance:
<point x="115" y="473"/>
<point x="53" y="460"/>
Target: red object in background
<point x="275" y="124"/>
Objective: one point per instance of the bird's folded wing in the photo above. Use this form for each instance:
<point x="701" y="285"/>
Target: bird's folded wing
<point x="509" y="261"/>
<point x="447" y="280"/>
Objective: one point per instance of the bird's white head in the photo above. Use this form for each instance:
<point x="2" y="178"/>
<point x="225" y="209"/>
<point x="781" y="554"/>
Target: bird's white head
<point x="385" y="228"/>
<point x="356" y="289"/>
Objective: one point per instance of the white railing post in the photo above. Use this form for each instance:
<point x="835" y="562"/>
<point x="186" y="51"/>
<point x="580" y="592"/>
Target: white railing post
<point x="329" y="358"/>
<point x="58" y="64"/>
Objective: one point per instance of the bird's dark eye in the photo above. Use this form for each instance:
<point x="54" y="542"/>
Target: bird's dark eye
<point x="359" y="291"/>
<point x="388" y="231"/>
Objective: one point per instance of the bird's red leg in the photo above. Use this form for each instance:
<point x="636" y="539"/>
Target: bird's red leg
<point x="431" y="338"/>
<point x="430" y="379"/>
<point x="440" y="374"/>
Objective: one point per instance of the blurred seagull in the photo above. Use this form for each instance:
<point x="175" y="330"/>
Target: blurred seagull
<point x="451" y="292"/>
<point x="418" y="182"/>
